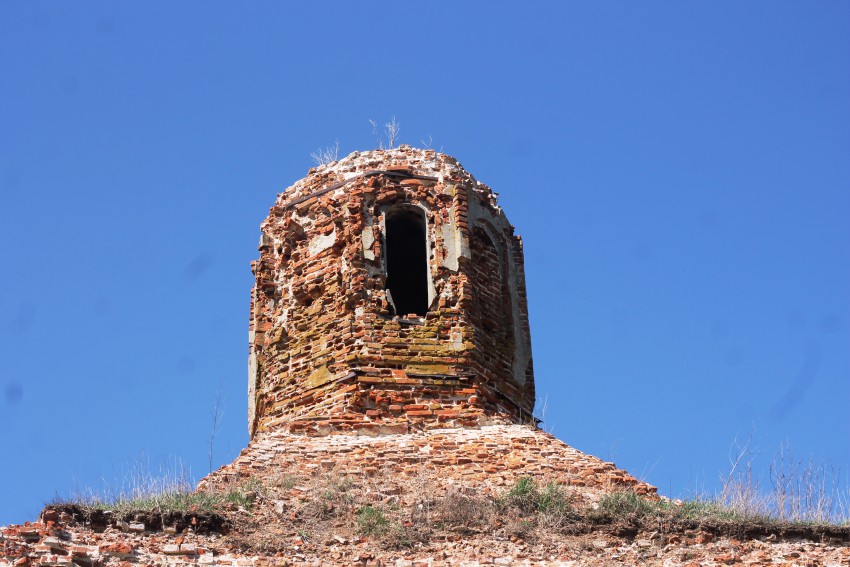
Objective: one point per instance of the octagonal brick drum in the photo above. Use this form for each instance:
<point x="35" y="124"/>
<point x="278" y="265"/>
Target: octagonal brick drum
<point x="389" y="297"/>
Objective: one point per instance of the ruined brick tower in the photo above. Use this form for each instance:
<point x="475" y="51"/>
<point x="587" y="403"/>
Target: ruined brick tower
<point x="389" y="297"/>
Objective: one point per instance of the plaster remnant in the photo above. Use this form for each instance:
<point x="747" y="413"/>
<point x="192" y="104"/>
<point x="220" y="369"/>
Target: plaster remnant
<point x="321" y="243"/>
<point x="368" y="237"/>
<point x="319" y="376"/>
<point x="451" y="238"/>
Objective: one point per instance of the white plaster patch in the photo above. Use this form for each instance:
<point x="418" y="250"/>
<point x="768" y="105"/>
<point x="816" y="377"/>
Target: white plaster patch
<point x="321" y="243"/>
<point x="253" y="382"/>
<point x="451" y="245"/>
<point x="368" y="241"/>
<point x="282" y="318"/>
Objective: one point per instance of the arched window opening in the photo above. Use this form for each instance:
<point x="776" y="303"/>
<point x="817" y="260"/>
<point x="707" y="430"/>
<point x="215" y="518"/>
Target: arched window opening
<point x="407" y="261"/>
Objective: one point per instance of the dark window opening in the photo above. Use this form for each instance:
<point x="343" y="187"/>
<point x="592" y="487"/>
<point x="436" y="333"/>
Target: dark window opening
<point x="407" y="261"/>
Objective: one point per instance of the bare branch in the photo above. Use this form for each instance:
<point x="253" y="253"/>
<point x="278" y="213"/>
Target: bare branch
<point x="328" y="155"/>
<point x="217" y="413"/>
<point x="375" y="133"/>
<point x="392" y="128"/>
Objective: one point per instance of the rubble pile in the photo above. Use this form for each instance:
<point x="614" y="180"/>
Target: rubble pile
<point x="266" y="536"/>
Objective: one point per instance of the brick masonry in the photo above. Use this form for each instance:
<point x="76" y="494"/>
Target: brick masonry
<point x="329" y="352"/>
<point x="487" y="458"/>
<point x="340" y="381"/>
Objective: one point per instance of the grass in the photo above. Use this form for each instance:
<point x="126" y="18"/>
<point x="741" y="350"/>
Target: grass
<point x="527" y="497"/>
<point x="372" y="521"/>
<point x="626" y="505"/>
<point x="176" y="499"/>
<point x="465" y="512"/>
<point x="321" y="507"/>
<point x="698" y="509"/>
<point x="163" y="502"/>
<point x="801" y="492"/>
<point x="638" y="509"/>
<point x="632" y="507"/>
<point x="169" y="490"/>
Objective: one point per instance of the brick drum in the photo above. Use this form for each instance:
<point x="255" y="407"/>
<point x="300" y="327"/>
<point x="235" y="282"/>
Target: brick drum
<point x="389" y="296"/>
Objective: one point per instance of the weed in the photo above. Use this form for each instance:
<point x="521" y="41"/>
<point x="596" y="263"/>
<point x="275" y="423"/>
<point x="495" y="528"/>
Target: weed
<point x="217" y="414"/>
<point x="372" y="521"/>
<point x="519" y="527"/>
<point x="526" y="497"/>
<point x="287" y="482"/>
<point x="338" y="492"/>
<point x="244" y="495"/>
<point x="626" y="504"/>
<point x="168" y="493"/>
<point x="698" y="509"/>
<point x="142" y="490"/>
<point x="554" y="500"/>
<point x="523" y="495"/>
<point x="391" y="131"/>
<point x="802" y="490"/>
<point x="638" y="509"/>
<point x="465" y="511"/>
<point x="807" y="491"/>
<point x="339" y="485"/>
<point x="325" y="156"/>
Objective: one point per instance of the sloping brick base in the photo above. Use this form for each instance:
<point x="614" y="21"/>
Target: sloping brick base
<point x="489" y="457"/>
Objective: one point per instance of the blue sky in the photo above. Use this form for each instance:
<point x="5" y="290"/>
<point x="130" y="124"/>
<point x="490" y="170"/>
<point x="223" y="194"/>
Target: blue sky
<point x="679" y="172"/>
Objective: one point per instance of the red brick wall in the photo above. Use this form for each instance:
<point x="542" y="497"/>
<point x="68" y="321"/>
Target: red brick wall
<point x="327" y="351"/>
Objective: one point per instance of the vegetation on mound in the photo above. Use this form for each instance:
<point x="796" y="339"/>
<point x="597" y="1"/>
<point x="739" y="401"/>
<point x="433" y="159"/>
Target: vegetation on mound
<point x="403" y="512"/>
<point x="169" y="491"/>
<point x="331" y="509"/>
<point x="173" y="500"/>
<point x="707" y="514"/>
<point x="327" y="510"/>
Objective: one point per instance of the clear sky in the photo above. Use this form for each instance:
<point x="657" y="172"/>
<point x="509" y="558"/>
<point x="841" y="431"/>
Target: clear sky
<point x="679" y="172"/>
